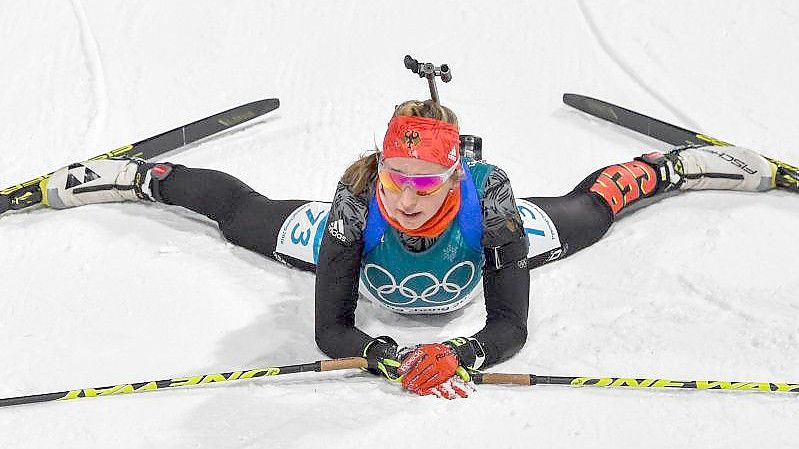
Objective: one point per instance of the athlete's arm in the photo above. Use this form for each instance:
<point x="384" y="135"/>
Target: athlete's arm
<point x="507" y="297"/>
<point x="507" y="290"/>
<point x="336" y="299"/>
<point x="338" y="267"/>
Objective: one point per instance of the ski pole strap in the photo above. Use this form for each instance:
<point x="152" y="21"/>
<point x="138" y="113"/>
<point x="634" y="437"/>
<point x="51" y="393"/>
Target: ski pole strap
<point x="649" y="383"/>
<point x="202" y="379"/>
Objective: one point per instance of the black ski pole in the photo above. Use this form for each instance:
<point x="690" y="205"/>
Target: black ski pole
<point x="649" y="383"/>
<point x="202" y="379"/>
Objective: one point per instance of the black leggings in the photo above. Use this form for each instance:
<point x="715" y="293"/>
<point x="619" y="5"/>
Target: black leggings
<point x="253" y="221"/>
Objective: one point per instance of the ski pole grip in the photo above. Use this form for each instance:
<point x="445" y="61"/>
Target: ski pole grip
<point x="345" y="363"/>
<point x="500" y="378"/>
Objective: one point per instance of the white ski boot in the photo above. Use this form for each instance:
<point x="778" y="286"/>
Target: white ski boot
<point x="722" y="168"/>
<point x="101" y="181"/>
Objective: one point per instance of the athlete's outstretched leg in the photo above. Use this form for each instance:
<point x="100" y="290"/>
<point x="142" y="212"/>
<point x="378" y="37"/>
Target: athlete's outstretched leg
<point x="244" y="216"/>
<point x="580" y="218"/>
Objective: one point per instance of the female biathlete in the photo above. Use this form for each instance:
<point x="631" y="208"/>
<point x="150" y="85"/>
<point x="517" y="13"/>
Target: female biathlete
<point x="415" y="227"/>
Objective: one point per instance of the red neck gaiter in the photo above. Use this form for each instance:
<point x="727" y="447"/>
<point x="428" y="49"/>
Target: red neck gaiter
<point x="433" y="227"/>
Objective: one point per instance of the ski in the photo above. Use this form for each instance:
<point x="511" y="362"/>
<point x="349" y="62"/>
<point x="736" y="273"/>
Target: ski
<point x="786" y="176"/>
<point x="640" y="123"/>
<point x="27" y="194"/>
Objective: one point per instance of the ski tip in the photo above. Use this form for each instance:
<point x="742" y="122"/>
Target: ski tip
<point x="271" y="101"/>
<point x="266" y="105"/>
<point x="571" y="99"/>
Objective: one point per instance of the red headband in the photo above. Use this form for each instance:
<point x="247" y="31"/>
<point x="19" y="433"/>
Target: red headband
<point x="423" y="138"/>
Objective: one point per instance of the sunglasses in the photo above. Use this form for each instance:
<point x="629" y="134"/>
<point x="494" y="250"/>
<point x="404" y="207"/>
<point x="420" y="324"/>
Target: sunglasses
<point x="423" y="185"/>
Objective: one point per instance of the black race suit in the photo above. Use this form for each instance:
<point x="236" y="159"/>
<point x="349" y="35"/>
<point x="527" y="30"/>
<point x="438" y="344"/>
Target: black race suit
<point x="253" y="221"/>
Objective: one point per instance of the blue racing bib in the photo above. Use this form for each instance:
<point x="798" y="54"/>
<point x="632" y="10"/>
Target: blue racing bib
<point x="440" y="279"/>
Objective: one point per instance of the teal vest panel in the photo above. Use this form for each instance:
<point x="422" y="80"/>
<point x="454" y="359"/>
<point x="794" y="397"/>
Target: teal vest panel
<point x="440" y="279"/>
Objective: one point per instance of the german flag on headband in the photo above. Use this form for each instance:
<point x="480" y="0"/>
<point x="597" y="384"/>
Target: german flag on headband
<point x="422" y="138"/>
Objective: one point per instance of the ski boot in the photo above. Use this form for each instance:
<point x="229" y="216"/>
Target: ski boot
<point x="720" y="168"/>
<point x="103" y="181"/>
<point x="653" y="176"/>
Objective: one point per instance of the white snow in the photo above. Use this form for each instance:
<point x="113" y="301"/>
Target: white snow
<point x="699" y="286"/>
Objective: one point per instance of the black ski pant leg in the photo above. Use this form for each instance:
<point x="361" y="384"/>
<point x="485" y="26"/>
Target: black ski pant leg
<point x="581" y="217"/>
<point x="245" y="217"/>
<point x="585" y="214"/>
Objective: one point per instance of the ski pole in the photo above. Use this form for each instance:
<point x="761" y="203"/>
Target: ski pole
<point x="650" y="383"/>
<point x="202" y="379"/>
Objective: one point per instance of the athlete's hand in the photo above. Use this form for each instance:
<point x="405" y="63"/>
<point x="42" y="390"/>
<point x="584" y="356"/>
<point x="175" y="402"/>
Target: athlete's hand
<point x="453" y="388"/>
<point x="427" y="367"/>
<point x="382" y="357"/>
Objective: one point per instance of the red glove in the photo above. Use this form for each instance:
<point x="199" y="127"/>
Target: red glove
<point x="427" y="367"/>
<point x="453" y="388"/>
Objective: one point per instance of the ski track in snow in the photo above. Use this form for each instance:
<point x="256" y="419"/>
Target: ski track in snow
<point x="614" y="56"/>
<point x="91" y="51"/>
<point x="715" y="301"/>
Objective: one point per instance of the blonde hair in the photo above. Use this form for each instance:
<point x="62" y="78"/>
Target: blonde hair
<point x="361" y="173"/>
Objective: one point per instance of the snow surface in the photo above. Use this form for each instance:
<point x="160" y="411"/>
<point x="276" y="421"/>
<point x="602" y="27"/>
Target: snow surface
<point x="699" y="286"/>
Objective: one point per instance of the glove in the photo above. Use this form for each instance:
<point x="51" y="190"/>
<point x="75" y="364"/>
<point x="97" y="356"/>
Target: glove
<point x="453" y="388"/>
<point x="428" y="366"/>
<point x="469" y="351"/>
<point x="382" y="357"/>
<point x="385" y="358"/>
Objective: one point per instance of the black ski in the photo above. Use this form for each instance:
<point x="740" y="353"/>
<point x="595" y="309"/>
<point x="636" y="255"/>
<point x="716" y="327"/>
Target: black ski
<point x="29" y="194"/>
<point x="787" y="176"/>
<point x="635" y="121"/>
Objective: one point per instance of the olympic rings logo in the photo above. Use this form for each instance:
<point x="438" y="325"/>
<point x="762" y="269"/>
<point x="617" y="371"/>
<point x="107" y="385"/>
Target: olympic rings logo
<point x="409" y="295"/>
